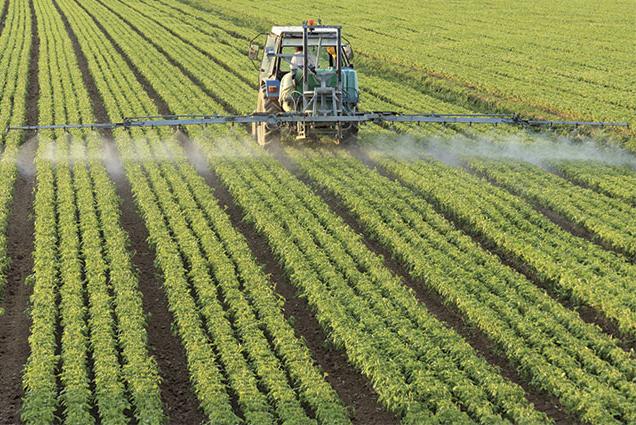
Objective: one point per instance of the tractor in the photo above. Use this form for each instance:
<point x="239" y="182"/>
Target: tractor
<point x="306" y="70"/>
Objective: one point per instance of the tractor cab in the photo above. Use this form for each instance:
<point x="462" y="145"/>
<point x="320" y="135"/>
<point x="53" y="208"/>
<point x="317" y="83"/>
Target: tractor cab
<point x="307" y="70"/>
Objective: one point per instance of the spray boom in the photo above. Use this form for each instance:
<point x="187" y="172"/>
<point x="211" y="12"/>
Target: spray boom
<point x="276" y="120"/>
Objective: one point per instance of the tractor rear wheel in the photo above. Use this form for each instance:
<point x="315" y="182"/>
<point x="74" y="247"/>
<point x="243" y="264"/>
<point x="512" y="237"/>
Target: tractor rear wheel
<point x="350" y="135"/>
<point x="266" y="134"/>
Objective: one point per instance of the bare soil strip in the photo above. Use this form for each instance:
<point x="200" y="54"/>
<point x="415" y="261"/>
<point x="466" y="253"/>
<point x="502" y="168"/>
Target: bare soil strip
<point x="435" y="305"/>
<point x="3" y="15"/>
<point x="180" y="402"/>
<point x="16" y="323"/>
<point x="352" y="387"/>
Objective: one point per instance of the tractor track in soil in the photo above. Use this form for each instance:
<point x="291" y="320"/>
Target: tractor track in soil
<point x="15" y="324"/>
<point x="180" y="403"/>
<point x="446" y="314"/>
<point x="3" y="15"/>
<point x="354" y="389"/>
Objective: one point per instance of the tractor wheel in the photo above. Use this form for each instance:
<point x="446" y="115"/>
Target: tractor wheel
<point x="350" y="136"/>
<point x="264" y="133"/>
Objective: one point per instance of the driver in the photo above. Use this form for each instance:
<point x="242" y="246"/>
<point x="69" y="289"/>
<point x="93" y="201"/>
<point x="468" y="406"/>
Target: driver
<point x="298" y="59"/>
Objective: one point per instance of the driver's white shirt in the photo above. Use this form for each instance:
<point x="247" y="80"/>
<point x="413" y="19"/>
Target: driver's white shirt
<point x="297" y="61"/>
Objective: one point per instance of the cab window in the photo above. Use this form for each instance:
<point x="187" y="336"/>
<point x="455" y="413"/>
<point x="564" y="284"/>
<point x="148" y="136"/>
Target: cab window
<point x="284" y="62"/>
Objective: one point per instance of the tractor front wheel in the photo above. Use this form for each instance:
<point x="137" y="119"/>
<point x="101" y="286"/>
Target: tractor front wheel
<point x="264" y="133"/>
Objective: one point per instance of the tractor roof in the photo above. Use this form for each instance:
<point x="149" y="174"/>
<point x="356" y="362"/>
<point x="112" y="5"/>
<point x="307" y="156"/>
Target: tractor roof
<point x="299" y="30"/>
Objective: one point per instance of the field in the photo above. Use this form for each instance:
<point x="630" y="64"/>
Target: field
<point x="422" y="275"/>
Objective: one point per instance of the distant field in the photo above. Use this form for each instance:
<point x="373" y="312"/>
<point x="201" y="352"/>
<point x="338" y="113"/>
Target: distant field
<point x="546" y="58"/>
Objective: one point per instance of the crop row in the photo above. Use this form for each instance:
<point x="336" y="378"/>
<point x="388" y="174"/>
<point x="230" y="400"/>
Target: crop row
<point x="585" y="369"/>
<point x="39" y="378"/>
<point x="610" y="220"/>
<point x="120" y="21"/>
<point x="230" y="321"/>
<point x="575" y="268"/>
<point x="15" y="48"/>
<point x="84" y="281"/>
<point x="612" y="180"/>
<point x="420" y="369"/>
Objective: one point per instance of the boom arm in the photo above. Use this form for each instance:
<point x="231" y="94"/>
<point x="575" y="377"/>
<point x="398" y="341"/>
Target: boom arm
<point x="285" y="118"/>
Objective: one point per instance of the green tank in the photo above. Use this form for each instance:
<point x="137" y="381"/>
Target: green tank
<point x="350" y="86"/>
<point x="349" y="83"/>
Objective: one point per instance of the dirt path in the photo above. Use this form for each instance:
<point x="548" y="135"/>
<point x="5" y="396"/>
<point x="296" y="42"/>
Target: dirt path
<point x="180" y="402"/>
<point x="15" y="324"/>
<point x="3" y="15"/>
<point x="352" y="387"/>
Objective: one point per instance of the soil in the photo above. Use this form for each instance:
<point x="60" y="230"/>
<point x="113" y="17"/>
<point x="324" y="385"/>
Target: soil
<point x="180" y="402"/>
<point x="3" y="15"/>
<point x="434" y="304"/>
<point x="16" y="322"/>
<point x="354" y="389"/>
